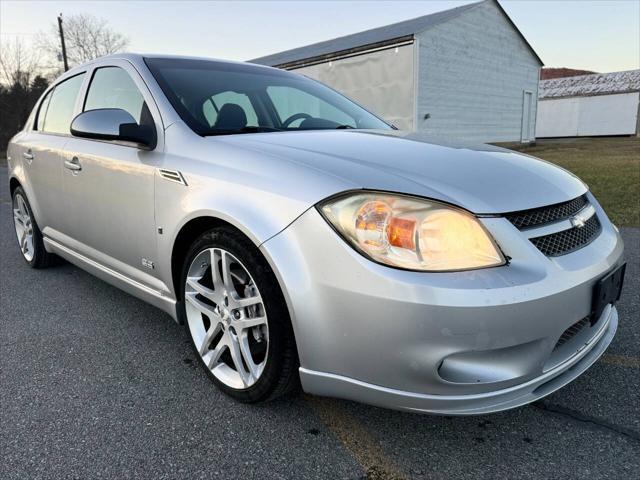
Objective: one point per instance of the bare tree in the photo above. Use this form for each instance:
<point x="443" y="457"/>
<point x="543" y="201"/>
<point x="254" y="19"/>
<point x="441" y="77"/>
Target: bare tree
<point x="19" y="64"/>
<point x="86" y="37"/>
<point x="21" y="84"/>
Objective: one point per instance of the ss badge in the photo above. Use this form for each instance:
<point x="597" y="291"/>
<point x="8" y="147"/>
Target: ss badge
<point x="147" y="263"/>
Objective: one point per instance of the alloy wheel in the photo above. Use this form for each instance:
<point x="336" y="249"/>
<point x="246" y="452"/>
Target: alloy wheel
<point x="23" y="226"/>
<point x="226" y="318"/>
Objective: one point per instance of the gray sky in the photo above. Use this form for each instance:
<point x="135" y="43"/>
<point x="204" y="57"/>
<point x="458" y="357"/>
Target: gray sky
<point x="600" y="35"/>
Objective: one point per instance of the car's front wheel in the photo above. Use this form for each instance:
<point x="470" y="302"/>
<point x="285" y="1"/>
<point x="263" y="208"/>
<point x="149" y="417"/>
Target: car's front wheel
<point x="237" y="318"/>
<point x="28" y="233"/>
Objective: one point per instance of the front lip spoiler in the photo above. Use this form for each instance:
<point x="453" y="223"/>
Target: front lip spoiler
<point x="327" y="384"/>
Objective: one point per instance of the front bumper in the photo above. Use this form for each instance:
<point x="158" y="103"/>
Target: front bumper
<point x="449" y="343"/>
<point x="474" y="404"/>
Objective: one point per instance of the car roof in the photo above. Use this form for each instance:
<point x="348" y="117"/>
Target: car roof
<point x="137" y="59"/>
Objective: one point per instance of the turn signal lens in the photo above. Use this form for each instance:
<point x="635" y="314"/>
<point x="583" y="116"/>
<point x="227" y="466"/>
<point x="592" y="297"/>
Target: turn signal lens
<point x="412" y="233"/>
<point x="401" y="232"/>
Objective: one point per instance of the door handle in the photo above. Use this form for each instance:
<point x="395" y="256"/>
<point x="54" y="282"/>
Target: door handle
<point x="28" y="156"/>
<point x="73" y="164"/>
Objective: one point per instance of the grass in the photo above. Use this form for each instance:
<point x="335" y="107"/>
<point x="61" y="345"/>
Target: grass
<point x="609" y="165"/>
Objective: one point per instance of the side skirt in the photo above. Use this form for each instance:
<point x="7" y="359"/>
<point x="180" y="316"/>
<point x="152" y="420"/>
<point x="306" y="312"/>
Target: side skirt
<point x="149" y="295"/>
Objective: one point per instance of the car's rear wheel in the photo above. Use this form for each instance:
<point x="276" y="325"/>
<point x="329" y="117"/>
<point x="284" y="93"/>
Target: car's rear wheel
<point x="28" y="233"/>
<point x="237" y="319"/>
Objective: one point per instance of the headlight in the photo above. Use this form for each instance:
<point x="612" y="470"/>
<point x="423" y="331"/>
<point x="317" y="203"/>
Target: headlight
<point x="412" y="233"/>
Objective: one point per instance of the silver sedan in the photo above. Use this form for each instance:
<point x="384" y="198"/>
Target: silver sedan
<point x="303" y="240"/>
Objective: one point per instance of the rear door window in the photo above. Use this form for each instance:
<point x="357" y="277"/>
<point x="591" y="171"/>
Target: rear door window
<point x="59" y="112"/>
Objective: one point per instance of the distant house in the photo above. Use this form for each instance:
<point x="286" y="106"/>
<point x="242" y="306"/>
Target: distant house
<point x="467" y="73"/>
<point x="589" y="105"/>
<point x="548" y="73"/>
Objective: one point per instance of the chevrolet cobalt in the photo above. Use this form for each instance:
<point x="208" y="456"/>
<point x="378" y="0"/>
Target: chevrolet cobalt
<point x="302" y="240"/>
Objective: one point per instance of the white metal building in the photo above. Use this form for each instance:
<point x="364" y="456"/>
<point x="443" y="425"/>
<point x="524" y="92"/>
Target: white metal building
<point x="466" y="73"/>
<point x="590" y="105"/>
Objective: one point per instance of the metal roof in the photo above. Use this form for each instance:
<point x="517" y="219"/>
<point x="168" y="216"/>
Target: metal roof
<point x="373" y="38"/>
<point x="587" y="85"/>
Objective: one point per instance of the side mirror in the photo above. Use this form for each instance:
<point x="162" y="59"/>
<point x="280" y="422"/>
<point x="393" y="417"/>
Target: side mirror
<point x="113" y="124"/>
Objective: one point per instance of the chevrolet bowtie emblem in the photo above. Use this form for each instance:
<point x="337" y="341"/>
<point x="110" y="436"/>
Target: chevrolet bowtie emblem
<point x="578" y="222"/>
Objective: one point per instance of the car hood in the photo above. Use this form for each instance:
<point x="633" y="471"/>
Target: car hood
<point x="481" y="178"/>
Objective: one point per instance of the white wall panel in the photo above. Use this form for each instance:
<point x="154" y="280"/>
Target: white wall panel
<point x="474" y="70"/>
<point x="588" y="116"/>
<point x="608" y="115"/>
<point x="557" y="118"/>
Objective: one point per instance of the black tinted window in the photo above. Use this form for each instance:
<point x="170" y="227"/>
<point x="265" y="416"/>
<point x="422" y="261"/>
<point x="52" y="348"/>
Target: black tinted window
<point x="216" y="98"/>
<point x="60" y="110"/>
<point x="112" y="87"/>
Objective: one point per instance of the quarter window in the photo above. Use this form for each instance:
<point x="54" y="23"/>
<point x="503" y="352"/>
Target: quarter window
<point x="42" y="111"/>
<point x="60" y="106"/>
<point x="112" y="87"/>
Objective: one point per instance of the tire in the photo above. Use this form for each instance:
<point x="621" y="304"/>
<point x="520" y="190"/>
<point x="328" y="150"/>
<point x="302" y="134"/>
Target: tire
<point x="209" y="304"/>
<point x="33" y="252"/>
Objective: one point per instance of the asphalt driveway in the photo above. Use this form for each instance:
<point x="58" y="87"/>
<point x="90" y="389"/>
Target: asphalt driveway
<point x="96" y="384"/>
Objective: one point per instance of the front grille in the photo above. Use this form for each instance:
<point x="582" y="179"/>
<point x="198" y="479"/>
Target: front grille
<point x="567" y="241"/>
<point x="541" y="216"/>
<point x="572" y="331"/>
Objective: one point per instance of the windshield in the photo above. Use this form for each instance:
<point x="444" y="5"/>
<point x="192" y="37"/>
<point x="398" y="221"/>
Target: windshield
<point x="217" y="98"/>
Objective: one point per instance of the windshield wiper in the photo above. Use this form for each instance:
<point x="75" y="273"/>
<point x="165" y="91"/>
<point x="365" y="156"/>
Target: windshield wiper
<point x="234" y="131"/>
<point x="344" y="127"/>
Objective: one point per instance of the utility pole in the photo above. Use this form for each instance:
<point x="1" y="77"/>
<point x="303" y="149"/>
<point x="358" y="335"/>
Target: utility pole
<point x="64" y="48"/>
